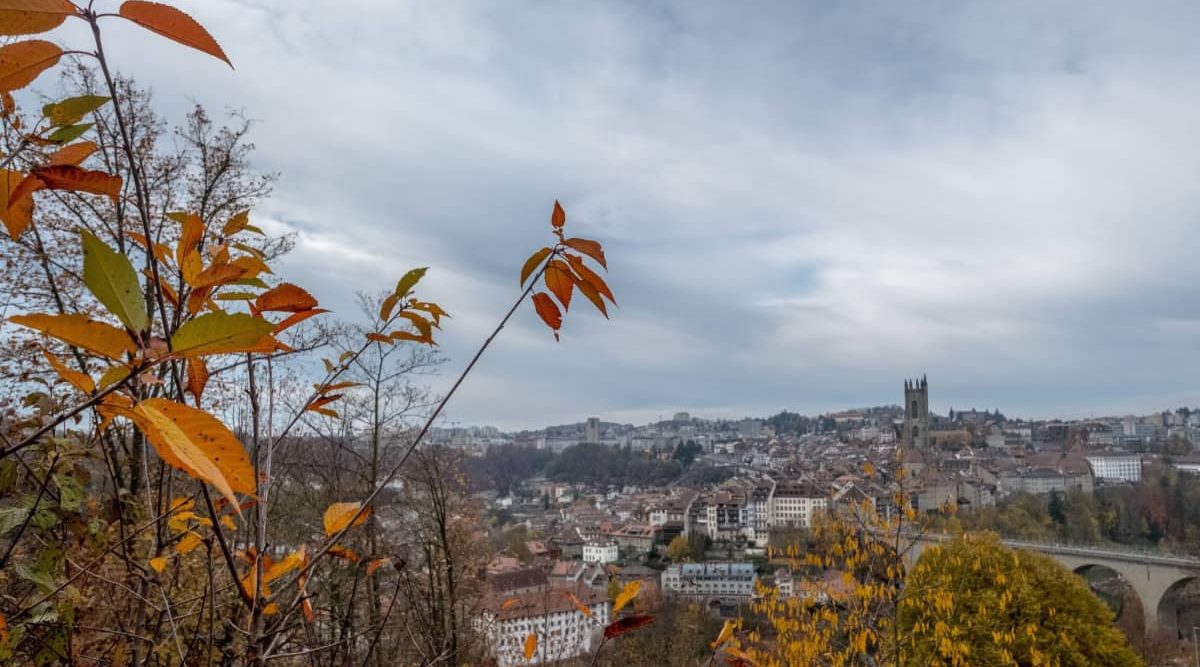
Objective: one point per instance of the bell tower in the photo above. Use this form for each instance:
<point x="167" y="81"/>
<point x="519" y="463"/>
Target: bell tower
<point x="916" y="414"/>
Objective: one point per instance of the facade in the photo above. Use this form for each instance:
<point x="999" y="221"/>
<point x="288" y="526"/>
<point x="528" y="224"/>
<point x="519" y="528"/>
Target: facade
<point x="601" y="551"/>
<point x="593" y="430"/>
<point x="563" y="631"/>
<point x="1116" y="467"/>
<point x="795" y="505"/>
<point x="916" y="414"/>
<point x="710" y="580"/>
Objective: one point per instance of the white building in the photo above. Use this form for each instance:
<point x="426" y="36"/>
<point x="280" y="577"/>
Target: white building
<point x="563" y="632"/>
<point x="593" y="430"/>
<point x="601" y="551"/>
<point x="1119" y="467"/>
<point x="796" y="505"/>
<point x="718" y="580"/>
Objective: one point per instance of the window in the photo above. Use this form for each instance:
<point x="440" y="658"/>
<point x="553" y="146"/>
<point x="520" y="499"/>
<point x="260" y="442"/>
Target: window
<point x="914" y="408"/>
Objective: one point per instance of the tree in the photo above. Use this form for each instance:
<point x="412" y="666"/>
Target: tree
<point x="679" y="550"/>
<point x="975" y="601"/>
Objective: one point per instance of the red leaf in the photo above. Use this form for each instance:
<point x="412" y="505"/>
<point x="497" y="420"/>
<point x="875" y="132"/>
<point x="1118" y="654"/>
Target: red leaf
<point x="559" y="282"/>
<point x="559" y="217"/>
<point x="590" y="248"/>
<point x="548" y="311"/>
<point x="70" y="177"/>
<point x="627" y="624"/>
<point x="172" y="24"/>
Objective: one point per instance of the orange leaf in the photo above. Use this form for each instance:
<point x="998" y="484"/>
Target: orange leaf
<point x="22" y="62"/>
<point x="158" y="564"/>
<point x="559" y="282"/>
<point x="339" y="515"/>
<point x="297" y="318"/>
<point x="197" y="443"/>
<point x="286" y="298"/>
<point x="197" y="377"/>
<point x="592" y="295"/>
<point x="379" y="338"/>
<point x="16" y="207"/>
<point x="73" y="154"/>
<point x="591" y="276"/>
<point x="345" y="553"/>
<point x="583" y="608"/>
<point x="590" y="248"/>
<point x="81" y="381"/>
<point x="548" y="311"/>
<point x="627" y="595"/>
<point x="375" y="564"/>
<point x="77" y="179"/>
<point x="530" y="645"/>
<point x="559" y="217"/>
<point x="82" y="332"/>
<point x="236" y="224"/>
<point x="533" y="262"/>
<point x="218" y="274"/>
<point x="627" y="624"/>
<point x="29" y="17"/>
<point x="190" y="234"/>
<point x="172" y="24"/>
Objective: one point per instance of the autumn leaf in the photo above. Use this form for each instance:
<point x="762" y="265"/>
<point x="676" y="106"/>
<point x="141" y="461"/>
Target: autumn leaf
<point x="72" y="110"/>
<point x="626" y="625"/>
<point x="190" y="233"/>
<point x="375" y="564"/>
<point x="236" y="223"/>
<point x="217" y="274"/>
<point x="548" y="311"/>
<point x="82" y="332"/>
<point x="73" y="154"/>
<point x="286" y="298"/>
<point x="197" y="443"/>
<point x="345" y="553"/>
<point x="111" y="278"/>
<point x="172" y="24"/>
<point x="220" y="333"/>
<point x="16" y="207"/>
<point x="591" y="277"/>
<point x="339" y="515"/>
<point x="29" y="17"/>
<point x="533" y="262"/>
<point x="64" y="135"/>
<point x="725" y="634"/>
<point x="197" y="377"/>
<point x="592" y="295"/>
<point x="22" y="62"/>
<point x="559" y="217"/>
<point x="113" y="375"/>
<point x="296" y="318"/>
<point x="583" y="608"/>
<point x="420" y="323"/>
<point x="409" y="280"/>
<point x="560" y="282"/>
<point x="626" y="595"/>
<point x="81" y="381"/>
<point x="590" y="248"/>
<point x="531" y="645"/>
<point x="188" y="543"/>
<point x="158" y="564"/>
<point x="290" y="562"/>
<point x="78" y="179"/>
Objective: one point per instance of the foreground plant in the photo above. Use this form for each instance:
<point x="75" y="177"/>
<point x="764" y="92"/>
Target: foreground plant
<point x="166" y="571"/>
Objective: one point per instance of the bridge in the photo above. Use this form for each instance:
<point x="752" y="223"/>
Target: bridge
<point x="1159" y="580"/>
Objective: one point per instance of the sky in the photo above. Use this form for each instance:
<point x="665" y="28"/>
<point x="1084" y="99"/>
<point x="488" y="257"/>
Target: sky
<point x="802" y="203"/>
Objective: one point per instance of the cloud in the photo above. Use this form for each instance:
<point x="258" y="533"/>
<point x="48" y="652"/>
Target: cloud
<point x="802" y="204"/>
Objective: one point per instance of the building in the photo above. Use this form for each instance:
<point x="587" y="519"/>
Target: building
<point x="796" y="504"/>
<point x="916" y="414"/>
<point x="562" y="630"/>
<point x="593" y="430"/>
<point x="710" y="580"/>
<point x="1116" y="467"/>
<point x="601" y="551"/>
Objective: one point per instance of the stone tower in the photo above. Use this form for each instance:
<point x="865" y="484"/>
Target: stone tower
<point x="916" y="414"/>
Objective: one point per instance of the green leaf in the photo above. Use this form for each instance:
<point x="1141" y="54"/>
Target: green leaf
<point x="110" y="276"/>
<point x="410" y="280"/>
<point x="72" y="109"/>
<point x="220" y="333"/>
<point x="70" y="496"/>
<point x="11" y="517"/>
<point x="69" y="133"/>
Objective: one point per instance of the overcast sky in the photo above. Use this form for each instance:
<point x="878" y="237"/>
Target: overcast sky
<point x="802" y="203"/>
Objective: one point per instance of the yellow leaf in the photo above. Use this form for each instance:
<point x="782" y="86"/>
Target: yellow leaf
<point x="290" y="562"/>
<point x="339" y="515"/>
<point x="530" y="645"/>
<point x="158" y="564"/>
<point x="627" y="595"/>
<point x="74" y="153"/>
<point x="227" y="521"/>
<point x="82" y="332"/>
<point x="197" y="443"/>
<point x="189" y="542"/>
<point x="726" y="633"/>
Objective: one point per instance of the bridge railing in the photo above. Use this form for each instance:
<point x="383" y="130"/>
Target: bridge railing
<point x="1112" y="551"/>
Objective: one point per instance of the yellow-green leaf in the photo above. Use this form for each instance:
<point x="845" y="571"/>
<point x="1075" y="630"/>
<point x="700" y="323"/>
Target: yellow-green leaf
<point x="409" y="281"/>
<point x="111" y="278"/>
<point x="220" y="333"/>
<point x="72" y="110"/>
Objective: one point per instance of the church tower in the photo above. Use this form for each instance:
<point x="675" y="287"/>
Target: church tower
<point x="916" y="414"/>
